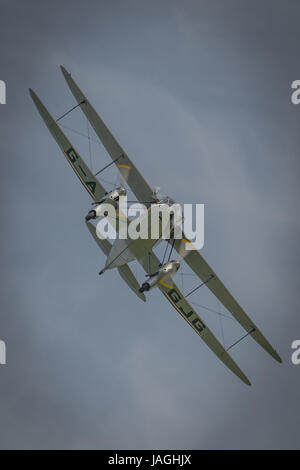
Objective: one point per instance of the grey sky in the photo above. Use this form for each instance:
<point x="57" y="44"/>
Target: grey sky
<point x="198" y="93"/>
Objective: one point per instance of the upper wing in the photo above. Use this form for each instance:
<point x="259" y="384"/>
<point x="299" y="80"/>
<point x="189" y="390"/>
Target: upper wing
<point x="91" y="184"/>
<point x="177" y="299"/>
<point x="200" y="267"/>
<point x="135" y="180"/>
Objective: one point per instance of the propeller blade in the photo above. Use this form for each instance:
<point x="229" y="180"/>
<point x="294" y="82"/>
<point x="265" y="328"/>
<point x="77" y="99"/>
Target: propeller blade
<point x="124" y="172"/>
<point x="182" y="250"/>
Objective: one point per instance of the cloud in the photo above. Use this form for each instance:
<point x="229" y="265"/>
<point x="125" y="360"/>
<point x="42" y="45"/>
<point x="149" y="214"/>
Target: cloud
<point x="198" y="95"/>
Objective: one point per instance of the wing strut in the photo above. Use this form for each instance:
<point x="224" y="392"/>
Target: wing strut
<point x="200" y="285"/>
<point x="91" y="184"/>
<point x="239" y="340"/>
<point x="111" y="163"/>
<point x="135" y="181"/>
<point x="70" y="110"/>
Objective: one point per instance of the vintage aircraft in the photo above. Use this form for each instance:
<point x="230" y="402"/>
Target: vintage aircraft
<point x="159" y="275"/>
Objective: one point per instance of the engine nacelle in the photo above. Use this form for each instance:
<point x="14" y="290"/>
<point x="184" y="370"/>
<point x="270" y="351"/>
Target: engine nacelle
<point x="114" y="195"/>
<point x="167" y="270"/>
<point x="111" y="197"/>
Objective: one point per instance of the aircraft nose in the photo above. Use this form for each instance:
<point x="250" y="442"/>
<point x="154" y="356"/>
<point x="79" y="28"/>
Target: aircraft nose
<point x="144" y="287"/>
<point x="91" y="215"/>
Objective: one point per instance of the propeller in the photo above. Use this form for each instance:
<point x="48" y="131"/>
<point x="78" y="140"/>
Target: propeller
<point x="123" y="173"/>
<point x="182" y="250"/>
<point x="182" y="253"/>
<point x="157" y="195"/>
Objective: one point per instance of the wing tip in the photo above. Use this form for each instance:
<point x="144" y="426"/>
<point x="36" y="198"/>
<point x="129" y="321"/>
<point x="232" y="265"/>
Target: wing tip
<point x="64" y="71"/>
<point x="32" y="93"/>
<point x="243" y="377"/>
<point x="277" y="357"/>
<point x="36" y="99"/>
<point x="141" y="296"/>
<point x="247" y="382"/>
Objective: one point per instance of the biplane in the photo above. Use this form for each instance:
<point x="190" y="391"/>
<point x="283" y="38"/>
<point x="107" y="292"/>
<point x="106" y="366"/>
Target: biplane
<point x="119" y="254"/>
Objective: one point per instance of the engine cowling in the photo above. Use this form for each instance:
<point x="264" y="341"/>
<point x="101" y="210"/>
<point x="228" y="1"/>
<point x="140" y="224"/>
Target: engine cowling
<point x="111" y="197"/>
<point x="167" y="270"/>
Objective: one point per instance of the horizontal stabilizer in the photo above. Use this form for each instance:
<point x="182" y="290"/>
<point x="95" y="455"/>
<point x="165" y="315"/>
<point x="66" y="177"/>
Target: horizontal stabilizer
<point x="125" y="271"/>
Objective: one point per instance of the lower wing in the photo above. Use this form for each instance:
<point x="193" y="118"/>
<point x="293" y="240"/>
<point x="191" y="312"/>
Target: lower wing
<point x="177" y="299"/>
<point x="200" y="267"/>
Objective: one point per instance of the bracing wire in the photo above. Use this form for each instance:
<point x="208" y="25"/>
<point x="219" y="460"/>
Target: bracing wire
<point x="212" y="310"/>
<point x="173" y="243"/>
<point x="167" y="244"/>
<point x="81" y="134"/>
<point x="221" y="324"/>
<point x="181" y="276"/>
<point x="91" y="139"/>
<point x="90" y="145"/>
